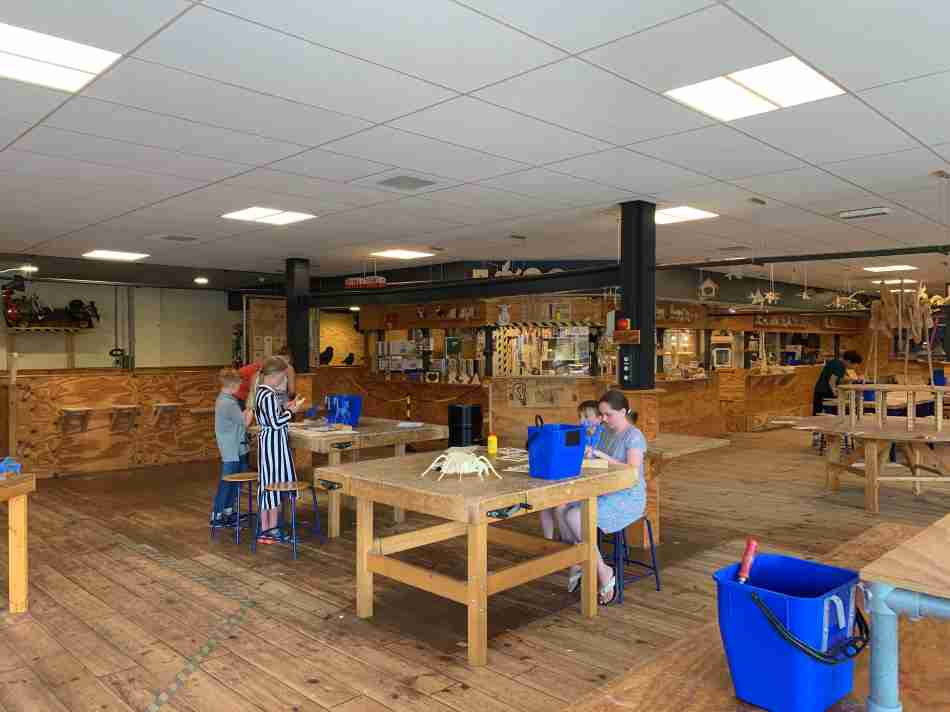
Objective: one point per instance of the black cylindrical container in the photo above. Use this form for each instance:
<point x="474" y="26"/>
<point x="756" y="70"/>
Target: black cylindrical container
<point x="465" y="425"/>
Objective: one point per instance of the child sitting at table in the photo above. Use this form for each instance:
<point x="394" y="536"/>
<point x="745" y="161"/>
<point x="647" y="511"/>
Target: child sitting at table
<point x="590" y="420"/>
<point x="621" y="443"/>
<point x="231" y="435"/>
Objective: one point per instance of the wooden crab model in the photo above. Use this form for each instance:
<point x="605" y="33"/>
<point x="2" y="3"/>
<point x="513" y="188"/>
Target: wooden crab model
<point x="461" y="462"/>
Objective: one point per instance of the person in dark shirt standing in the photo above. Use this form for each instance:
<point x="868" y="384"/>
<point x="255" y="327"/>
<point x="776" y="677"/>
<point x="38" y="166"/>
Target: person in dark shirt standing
<point x="831" y="375"/>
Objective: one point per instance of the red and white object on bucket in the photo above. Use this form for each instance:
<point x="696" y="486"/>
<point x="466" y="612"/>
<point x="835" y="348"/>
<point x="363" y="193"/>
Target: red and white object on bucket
<point x="751" y="546"/>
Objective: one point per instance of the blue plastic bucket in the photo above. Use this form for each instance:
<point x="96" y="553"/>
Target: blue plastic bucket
<point x="555" y="452"/>
<point x="344" y="409"/>
<point x="811" y="601"/>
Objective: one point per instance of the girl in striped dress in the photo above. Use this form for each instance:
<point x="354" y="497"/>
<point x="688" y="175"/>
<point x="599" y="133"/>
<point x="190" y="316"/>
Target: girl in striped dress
<point x="275" y="461"/>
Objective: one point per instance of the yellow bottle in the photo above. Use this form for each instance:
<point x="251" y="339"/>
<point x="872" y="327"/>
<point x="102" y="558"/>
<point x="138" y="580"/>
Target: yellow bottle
<point x="492" y="444"/>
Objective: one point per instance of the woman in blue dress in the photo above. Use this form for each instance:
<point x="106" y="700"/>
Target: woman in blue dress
<point x="621" y="443"/>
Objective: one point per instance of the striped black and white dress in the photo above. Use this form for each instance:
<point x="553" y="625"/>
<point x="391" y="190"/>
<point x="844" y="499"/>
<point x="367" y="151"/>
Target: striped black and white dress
<point x="275" y="461"/>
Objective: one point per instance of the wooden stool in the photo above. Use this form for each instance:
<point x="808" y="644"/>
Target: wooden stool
<point x="620" y="559"/>
<point x="239" y="478"/>
<point x="292" y="490"/>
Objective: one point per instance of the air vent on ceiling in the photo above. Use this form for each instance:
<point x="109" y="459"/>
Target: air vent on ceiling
<point x="734" y="248"/>
<point x="522" y="238"/>
<point x="435" y="249"/>
<point x="941" y="174"/>
<point x="405" y="183"/>
<point x="757" y="201"/>
<point x="174" y="238"/>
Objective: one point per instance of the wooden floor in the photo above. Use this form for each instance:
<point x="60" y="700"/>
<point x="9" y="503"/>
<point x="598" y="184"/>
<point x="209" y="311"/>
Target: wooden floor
<point x="133" y="608"/>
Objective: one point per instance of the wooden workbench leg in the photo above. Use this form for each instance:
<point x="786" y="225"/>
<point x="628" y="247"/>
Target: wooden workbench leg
<point x="478" y="594"/>
<point x="872" y="468"/>
<point x="399" y="514"/>
<point x="364" y="543"/>
<point x="914" y="452"/>
<point x="334" y="498"/>
<point x="589" y="585"/>
<point x="19" y="577"/>
<point x="832" y="463"/>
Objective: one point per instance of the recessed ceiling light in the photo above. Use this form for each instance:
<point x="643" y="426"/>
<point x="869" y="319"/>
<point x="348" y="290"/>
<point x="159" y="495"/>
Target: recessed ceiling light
<point x="268" y="216"/>
<point x="863" y="213"/>
<point x="890" y="268"/>
<point x="402" y="254"/>
<point x="722" y="99"/>
<point x="757" y="90"/>
<point x="683" y="213"/>
<point x="49" y="61"/>
<point x="201" y="280"/>
<point x="787" y="82"/>
<point x="354" y="309"/>
<point x="894" y="281"/>
<point x="115" y="256"/>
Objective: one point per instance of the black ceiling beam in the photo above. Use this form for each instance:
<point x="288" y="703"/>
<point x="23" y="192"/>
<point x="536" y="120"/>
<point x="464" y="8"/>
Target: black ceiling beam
<point x="568" y="281"/>
<point x="819" y="257"/>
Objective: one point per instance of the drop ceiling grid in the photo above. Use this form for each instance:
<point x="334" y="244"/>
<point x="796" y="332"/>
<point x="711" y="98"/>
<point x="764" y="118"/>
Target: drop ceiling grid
<point x="215" y="169"/>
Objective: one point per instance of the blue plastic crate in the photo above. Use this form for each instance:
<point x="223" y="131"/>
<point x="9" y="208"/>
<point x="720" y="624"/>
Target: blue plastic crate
<point x="344" y="409"/>
<point x="811" y="601"/>
<point x="555" y="452"/>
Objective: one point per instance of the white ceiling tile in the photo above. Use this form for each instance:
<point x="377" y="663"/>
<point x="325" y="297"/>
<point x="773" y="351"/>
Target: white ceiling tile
<point x="500" y="202"/>
<point x="165" y="90"/>
<point x="318" y="163"/>
<point x="631" y="171"/>
<point x="115" y="25"/>
<point x="373" y="182"/>
<point x="66" y="144"/>
<point x="689" y="50"/>
<point x="103" y="119"/>
<point x="577" y="26"/>
<point x="859" y="44"/>
<point x="36" y="169"/>
<point x="557" y="187"/>
<point x="921" y="106"/>
<point x="469" y="122"/>
<point x="835" y="129"/>
<point x="27" y="102"/>
<point x="323" y="194"/>
<point x="421" y="153"/>
<point x="719" y="151"/>
<point x="583" y="98"/>
<point x="440" y="41"/>
<point x="452" y="212"/>
<point x="801" y="186"/>
<point x="892" y="172"/>
<point x="10" y="130"/>
<point x="933" y="201"/>
<point x="720" y="198"/>
<point x="273" y="62"/>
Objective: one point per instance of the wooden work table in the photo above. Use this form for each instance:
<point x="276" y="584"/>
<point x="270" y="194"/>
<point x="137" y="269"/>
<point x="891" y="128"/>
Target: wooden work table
<point x="14" y="490"/>
<point x="472" y="508"/>
<point x="371" y="432"/>
<point x="920" y="564"/>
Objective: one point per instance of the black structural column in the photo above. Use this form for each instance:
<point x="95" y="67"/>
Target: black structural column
<point x="298" y="313"/>
<point x="638" y="291"/>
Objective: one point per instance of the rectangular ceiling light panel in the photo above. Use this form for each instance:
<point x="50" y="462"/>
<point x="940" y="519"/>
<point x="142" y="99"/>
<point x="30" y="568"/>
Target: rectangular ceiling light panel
<point x="268" y="216"/>
<point x="35" y="58"/>
<point x="402" y="254"/>
<point x="890" y="268"/>
<point x="757" y="90"/>
<point x="683" y="213"/>
<point x="115" y="255"/>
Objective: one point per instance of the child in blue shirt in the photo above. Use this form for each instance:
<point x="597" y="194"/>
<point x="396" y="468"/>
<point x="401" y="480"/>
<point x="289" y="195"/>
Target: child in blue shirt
<point x="589" y="417"/>
<point x="230" y="432"/>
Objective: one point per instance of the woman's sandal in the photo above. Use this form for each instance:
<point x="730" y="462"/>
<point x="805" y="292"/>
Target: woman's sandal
<point x="608" y="591"/>
<point x="573" y="581"/>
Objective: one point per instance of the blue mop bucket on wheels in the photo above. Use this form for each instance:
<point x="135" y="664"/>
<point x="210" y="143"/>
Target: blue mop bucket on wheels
<point x="344" y="410"/>
<point x="555" y="452"/>
<point x="787" y="632"/>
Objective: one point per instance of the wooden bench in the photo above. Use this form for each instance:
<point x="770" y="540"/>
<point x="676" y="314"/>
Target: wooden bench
<point x="14" y="490"/>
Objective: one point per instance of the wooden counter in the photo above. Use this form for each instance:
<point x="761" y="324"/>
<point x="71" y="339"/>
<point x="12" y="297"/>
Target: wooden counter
<point x="749" y="399"/>
<point x="92" y="420"/>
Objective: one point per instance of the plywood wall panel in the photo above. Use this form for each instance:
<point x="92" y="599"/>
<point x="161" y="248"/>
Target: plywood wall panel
<point x="691" y="407"/>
